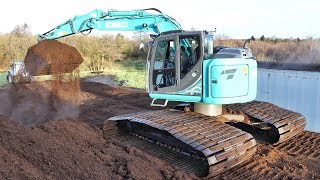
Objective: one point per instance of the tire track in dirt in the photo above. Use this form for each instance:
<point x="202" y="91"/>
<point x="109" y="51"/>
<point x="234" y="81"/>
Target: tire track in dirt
<point x="296" y="158"/>
<point x="270" y="162"/>
<point x="305" y="144"/>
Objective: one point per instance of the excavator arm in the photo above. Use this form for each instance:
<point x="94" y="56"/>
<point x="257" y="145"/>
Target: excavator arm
<point x="43" y="57"/>
<point x="112" y="20"/>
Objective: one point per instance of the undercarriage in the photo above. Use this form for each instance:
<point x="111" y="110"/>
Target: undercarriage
<point x="220" y="142"/>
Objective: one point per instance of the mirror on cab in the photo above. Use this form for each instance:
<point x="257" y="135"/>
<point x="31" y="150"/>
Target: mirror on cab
<point x="141" y="47"/>
<point x="145" y="46"/>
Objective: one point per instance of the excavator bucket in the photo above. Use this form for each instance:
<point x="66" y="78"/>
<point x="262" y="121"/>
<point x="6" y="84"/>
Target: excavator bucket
<point x="52" y="57"/>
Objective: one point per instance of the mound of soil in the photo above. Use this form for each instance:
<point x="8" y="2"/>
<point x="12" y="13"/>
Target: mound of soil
<point x="77" y="148"/>
<point x="271" y="163"/>
<point x="63" y="147"/>
<point x="69" y="149"/>
<point x="51" y="57"/>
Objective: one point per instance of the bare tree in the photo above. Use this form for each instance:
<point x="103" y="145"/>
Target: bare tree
<point x="21" y="30"/>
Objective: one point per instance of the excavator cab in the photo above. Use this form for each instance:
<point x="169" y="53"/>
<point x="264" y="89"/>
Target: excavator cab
<point x="175" y="61"/>
<point x="173" y="57"/>
<point x="183" y="67"/>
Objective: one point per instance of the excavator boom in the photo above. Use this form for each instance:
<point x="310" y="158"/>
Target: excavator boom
<point x="40" y="62"/>
<point x="112" y="20"/>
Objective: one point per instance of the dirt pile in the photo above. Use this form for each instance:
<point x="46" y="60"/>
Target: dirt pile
<point x="77" y="148"/>
<point x="271" y="163"/>
<point x="52" y="57"/>
<point x="71" y="149"/>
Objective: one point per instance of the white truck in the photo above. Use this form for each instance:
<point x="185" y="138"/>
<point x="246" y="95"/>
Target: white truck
<point x="17" y="73"/>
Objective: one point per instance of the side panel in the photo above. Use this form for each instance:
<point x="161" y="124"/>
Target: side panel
<point x="229" y="78"/>
<point x="298" y="91"/>
<point x="227" y="81"/>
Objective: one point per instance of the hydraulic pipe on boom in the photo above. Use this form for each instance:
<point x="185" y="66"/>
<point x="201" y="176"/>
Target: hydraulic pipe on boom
<point x="149" y="20"/>
<point x="154" y="22"/>
<point x="112" y="20"/>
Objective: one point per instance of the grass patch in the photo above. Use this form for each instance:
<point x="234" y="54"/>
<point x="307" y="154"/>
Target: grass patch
<point x="135" y="79"/>
<point x="43" y="78"/>
<point x="133" y="71"/>
<point x="3" y="79"/>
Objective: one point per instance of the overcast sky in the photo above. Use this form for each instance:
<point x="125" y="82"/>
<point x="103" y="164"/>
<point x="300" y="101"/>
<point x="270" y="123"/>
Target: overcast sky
<point x="234" y="18"/>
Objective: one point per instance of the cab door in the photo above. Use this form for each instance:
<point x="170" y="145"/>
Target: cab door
<point x="163" y="67"/>
<point x="176" y="66"/>
<point x="190" y="62"/>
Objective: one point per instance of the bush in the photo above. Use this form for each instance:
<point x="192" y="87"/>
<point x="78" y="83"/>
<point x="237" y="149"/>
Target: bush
<point x="13" y="47"/>
<point x="99" y="53"/>
<point x="302" y="51"/>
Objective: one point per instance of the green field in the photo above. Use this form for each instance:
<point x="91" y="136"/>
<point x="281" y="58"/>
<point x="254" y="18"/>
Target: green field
<point x="131" y="70"/>
<point x="3" y="79"/>
<point x="134" y="71"/>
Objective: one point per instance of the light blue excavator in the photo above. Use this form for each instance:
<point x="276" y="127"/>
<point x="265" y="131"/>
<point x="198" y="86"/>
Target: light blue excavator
<point x="218" y="116"/>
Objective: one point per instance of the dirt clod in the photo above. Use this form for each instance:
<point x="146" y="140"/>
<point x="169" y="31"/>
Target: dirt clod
<point x="52" y="57"/>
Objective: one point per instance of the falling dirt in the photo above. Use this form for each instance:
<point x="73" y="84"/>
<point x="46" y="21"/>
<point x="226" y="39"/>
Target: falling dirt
<point x="52" y="57"/>
<point x="77" y="148"/>
<point x="30" y="104"/>
<point x="40" y="102"/>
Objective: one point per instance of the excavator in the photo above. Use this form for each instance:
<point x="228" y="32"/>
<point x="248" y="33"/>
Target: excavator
<point x="218" y="119"/>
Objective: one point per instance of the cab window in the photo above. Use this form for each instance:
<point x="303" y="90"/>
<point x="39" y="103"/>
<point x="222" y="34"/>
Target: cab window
<point x="208" y="47"/>
<point x="189" y="53"/>
<point x="164" y="74"/>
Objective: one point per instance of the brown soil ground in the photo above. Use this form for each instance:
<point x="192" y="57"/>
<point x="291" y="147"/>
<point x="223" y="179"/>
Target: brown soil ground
<point x="40" y="143"/>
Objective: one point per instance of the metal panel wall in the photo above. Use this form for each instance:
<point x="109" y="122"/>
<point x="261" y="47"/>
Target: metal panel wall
<point x="298" y="91"/>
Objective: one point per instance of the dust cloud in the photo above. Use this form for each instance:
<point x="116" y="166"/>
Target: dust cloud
<point x="307" y="52"/>
<point x="38" y="102"/>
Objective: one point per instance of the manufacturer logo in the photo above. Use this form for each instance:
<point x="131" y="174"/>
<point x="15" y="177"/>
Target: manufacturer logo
<point x="120" y="24"/>
<point x="229" y="72"/>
